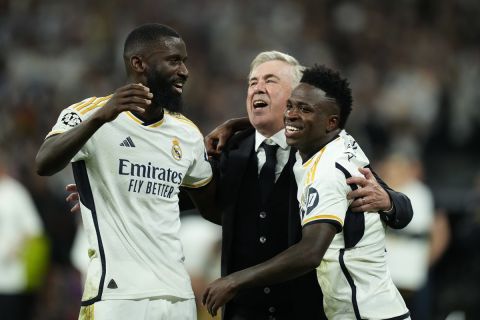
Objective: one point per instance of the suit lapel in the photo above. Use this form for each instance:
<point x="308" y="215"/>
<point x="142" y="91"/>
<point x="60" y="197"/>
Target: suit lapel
<point x="237" y="164"/>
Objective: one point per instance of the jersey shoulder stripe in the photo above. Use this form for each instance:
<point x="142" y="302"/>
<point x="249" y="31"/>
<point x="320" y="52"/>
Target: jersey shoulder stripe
<point x="97" y="103"/>
<point x="181" y="118"/>
<point x="313" y="167"/>
<point x="80" y="105"/>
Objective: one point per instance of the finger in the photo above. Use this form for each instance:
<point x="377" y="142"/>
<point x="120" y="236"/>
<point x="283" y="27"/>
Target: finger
<point x="71" y="187"/>
<point x="134" y="87"/>
<point x="221" y="143"/>
<point x="205" y="295"/>
<point x="357" y="206"/>
<point x="214" y="309"/>
<point x="210" y="145"/>
<point x="360" y="181"/>
<point x="132" y="107"/>
<point x="75" y="208"/>
<point x="367" y="173"/>
<point x="72" y="197"/>
<point x="139" y="101"/>
<point x="357" y="193"/>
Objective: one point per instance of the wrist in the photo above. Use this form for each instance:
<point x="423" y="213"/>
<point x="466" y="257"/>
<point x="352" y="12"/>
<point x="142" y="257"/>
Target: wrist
<point x="96" y="120"/>
<point x="390" y="210"/>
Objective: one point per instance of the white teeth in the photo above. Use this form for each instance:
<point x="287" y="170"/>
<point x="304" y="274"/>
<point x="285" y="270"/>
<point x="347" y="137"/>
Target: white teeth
<point x="259" y="103"/>
<point x="290" y="128"/>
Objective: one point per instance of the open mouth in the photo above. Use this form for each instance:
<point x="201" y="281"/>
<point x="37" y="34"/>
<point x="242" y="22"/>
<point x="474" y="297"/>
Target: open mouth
<point x="292" y="130"/>
<point x="178" y="86"/>
<point x="259" y="104"/>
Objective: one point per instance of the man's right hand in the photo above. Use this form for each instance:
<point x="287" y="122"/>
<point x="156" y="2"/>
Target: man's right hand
<point x="133" y="97"/>
<point x="73" y="198"/>
<point x="216" y="140"/>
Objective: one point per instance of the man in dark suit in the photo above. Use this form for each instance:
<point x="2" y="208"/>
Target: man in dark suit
<point x="260" y="220"/>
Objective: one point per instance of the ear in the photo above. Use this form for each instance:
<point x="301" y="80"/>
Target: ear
<point x="137" y="64"/>
<point x="332" y="122"/>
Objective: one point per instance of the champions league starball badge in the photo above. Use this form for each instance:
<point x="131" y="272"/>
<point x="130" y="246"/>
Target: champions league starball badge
<point x="71" y="119"/>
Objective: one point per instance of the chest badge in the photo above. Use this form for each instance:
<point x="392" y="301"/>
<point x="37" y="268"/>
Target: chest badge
<point x="176" y="150"/>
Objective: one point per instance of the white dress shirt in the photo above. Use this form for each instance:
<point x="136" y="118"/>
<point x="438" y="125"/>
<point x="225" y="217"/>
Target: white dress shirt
<point x="283" y="152"/>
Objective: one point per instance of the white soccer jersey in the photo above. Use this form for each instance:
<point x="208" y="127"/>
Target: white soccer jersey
<point x="353" y="274"/>
<point x="128" y="175"/>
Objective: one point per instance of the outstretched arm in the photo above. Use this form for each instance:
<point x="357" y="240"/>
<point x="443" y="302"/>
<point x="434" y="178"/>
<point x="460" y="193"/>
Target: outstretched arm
<point x="216" y="140"/>
<point x="204" y="200"/>
<point x="375" y="195"/>
<point x="295" y="261"/>
<point x="57" y="151"/>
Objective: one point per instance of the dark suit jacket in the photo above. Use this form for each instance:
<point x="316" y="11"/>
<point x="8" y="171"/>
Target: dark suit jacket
<point x="306" y="300"/>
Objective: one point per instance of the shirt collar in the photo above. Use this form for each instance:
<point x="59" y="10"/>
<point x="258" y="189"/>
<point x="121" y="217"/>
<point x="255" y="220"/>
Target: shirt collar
<point x="278" y="138"/>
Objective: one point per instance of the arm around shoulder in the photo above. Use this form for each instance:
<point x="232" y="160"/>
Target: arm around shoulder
<point x="401" y="211"/>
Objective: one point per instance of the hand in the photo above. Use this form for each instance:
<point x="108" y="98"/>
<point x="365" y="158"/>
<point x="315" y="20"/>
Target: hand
<point x="215" y="141"/>
<point x="133" y="97"/>
<point x="218" y="293"/>
<point x="370" y="196"/>
<point x="73" y="198"/>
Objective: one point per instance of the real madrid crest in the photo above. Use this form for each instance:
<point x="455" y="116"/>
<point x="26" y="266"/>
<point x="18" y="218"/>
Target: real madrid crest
<point x="176" y="150"/>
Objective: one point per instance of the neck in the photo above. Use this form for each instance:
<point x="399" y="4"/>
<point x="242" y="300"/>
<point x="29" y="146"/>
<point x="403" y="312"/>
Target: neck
<point x="268" y="132"/>
<point x="152" y="113"/>
<point x="307" y="152"/>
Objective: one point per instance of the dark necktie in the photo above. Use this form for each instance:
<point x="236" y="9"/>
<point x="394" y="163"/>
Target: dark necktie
<point x="267" y="174"/>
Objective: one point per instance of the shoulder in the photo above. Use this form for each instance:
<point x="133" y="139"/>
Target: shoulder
<point x="241" y="137"/>
<point x="183" y="122"/>
<point x="345" y="154"/>
<point x="87" y="106"/>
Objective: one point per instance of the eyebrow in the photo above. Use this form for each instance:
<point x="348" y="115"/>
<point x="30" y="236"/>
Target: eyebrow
<point x="270" y="75"/>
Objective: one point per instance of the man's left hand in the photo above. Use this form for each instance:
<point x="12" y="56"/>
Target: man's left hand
<point x="370" y="196"/>
<point x="218" y="293"/>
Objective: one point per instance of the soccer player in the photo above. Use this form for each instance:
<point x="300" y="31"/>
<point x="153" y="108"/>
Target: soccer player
<point x="347" y="249"/>
<point x="131" y="152"/>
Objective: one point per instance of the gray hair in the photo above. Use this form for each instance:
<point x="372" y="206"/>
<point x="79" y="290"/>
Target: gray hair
<point x="266" y="56"/>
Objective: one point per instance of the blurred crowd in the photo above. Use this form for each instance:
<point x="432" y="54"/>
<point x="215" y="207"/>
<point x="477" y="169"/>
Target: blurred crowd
<point x="414" y="66"/>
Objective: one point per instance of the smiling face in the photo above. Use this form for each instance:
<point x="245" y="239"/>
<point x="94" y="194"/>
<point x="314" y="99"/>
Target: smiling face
<point x="269" y="87"/>
<point x="166" y="73"/>
<point x="311" y="119"/>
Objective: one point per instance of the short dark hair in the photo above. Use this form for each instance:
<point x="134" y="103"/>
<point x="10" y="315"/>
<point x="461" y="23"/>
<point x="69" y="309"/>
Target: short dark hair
<point x="334" y="86"/>
<point x="146" y="34"/>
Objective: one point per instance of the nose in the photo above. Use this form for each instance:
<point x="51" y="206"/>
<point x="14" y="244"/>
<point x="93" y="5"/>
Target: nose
<point x="183" y="71"/>
<point x="291" y="113"/>
<point x="259" y="87"/>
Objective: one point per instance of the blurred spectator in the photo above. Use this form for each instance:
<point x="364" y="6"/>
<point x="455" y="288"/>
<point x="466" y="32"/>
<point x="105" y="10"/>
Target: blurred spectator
<point x="412" y="250"/>
<point x="23" y="249"/>
<point x="201" y="241"/>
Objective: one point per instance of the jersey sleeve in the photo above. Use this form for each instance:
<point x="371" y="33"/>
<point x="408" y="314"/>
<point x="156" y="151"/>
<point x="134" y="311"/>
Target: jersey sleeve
<point x="325" y="200"/>
<point x="200" y="172"/>
<point x="68" y="119"/>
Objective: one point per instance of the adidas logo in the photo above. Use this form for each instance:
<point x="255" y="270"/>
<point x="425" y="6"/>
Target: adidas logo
<point x="112" y="284"/>
<point x="128" y="142"/>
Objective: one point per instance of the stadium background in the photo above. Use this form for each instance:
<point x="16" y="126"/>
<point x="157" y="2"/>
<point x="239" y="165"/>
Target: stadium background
<point x="414" y="68"/>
